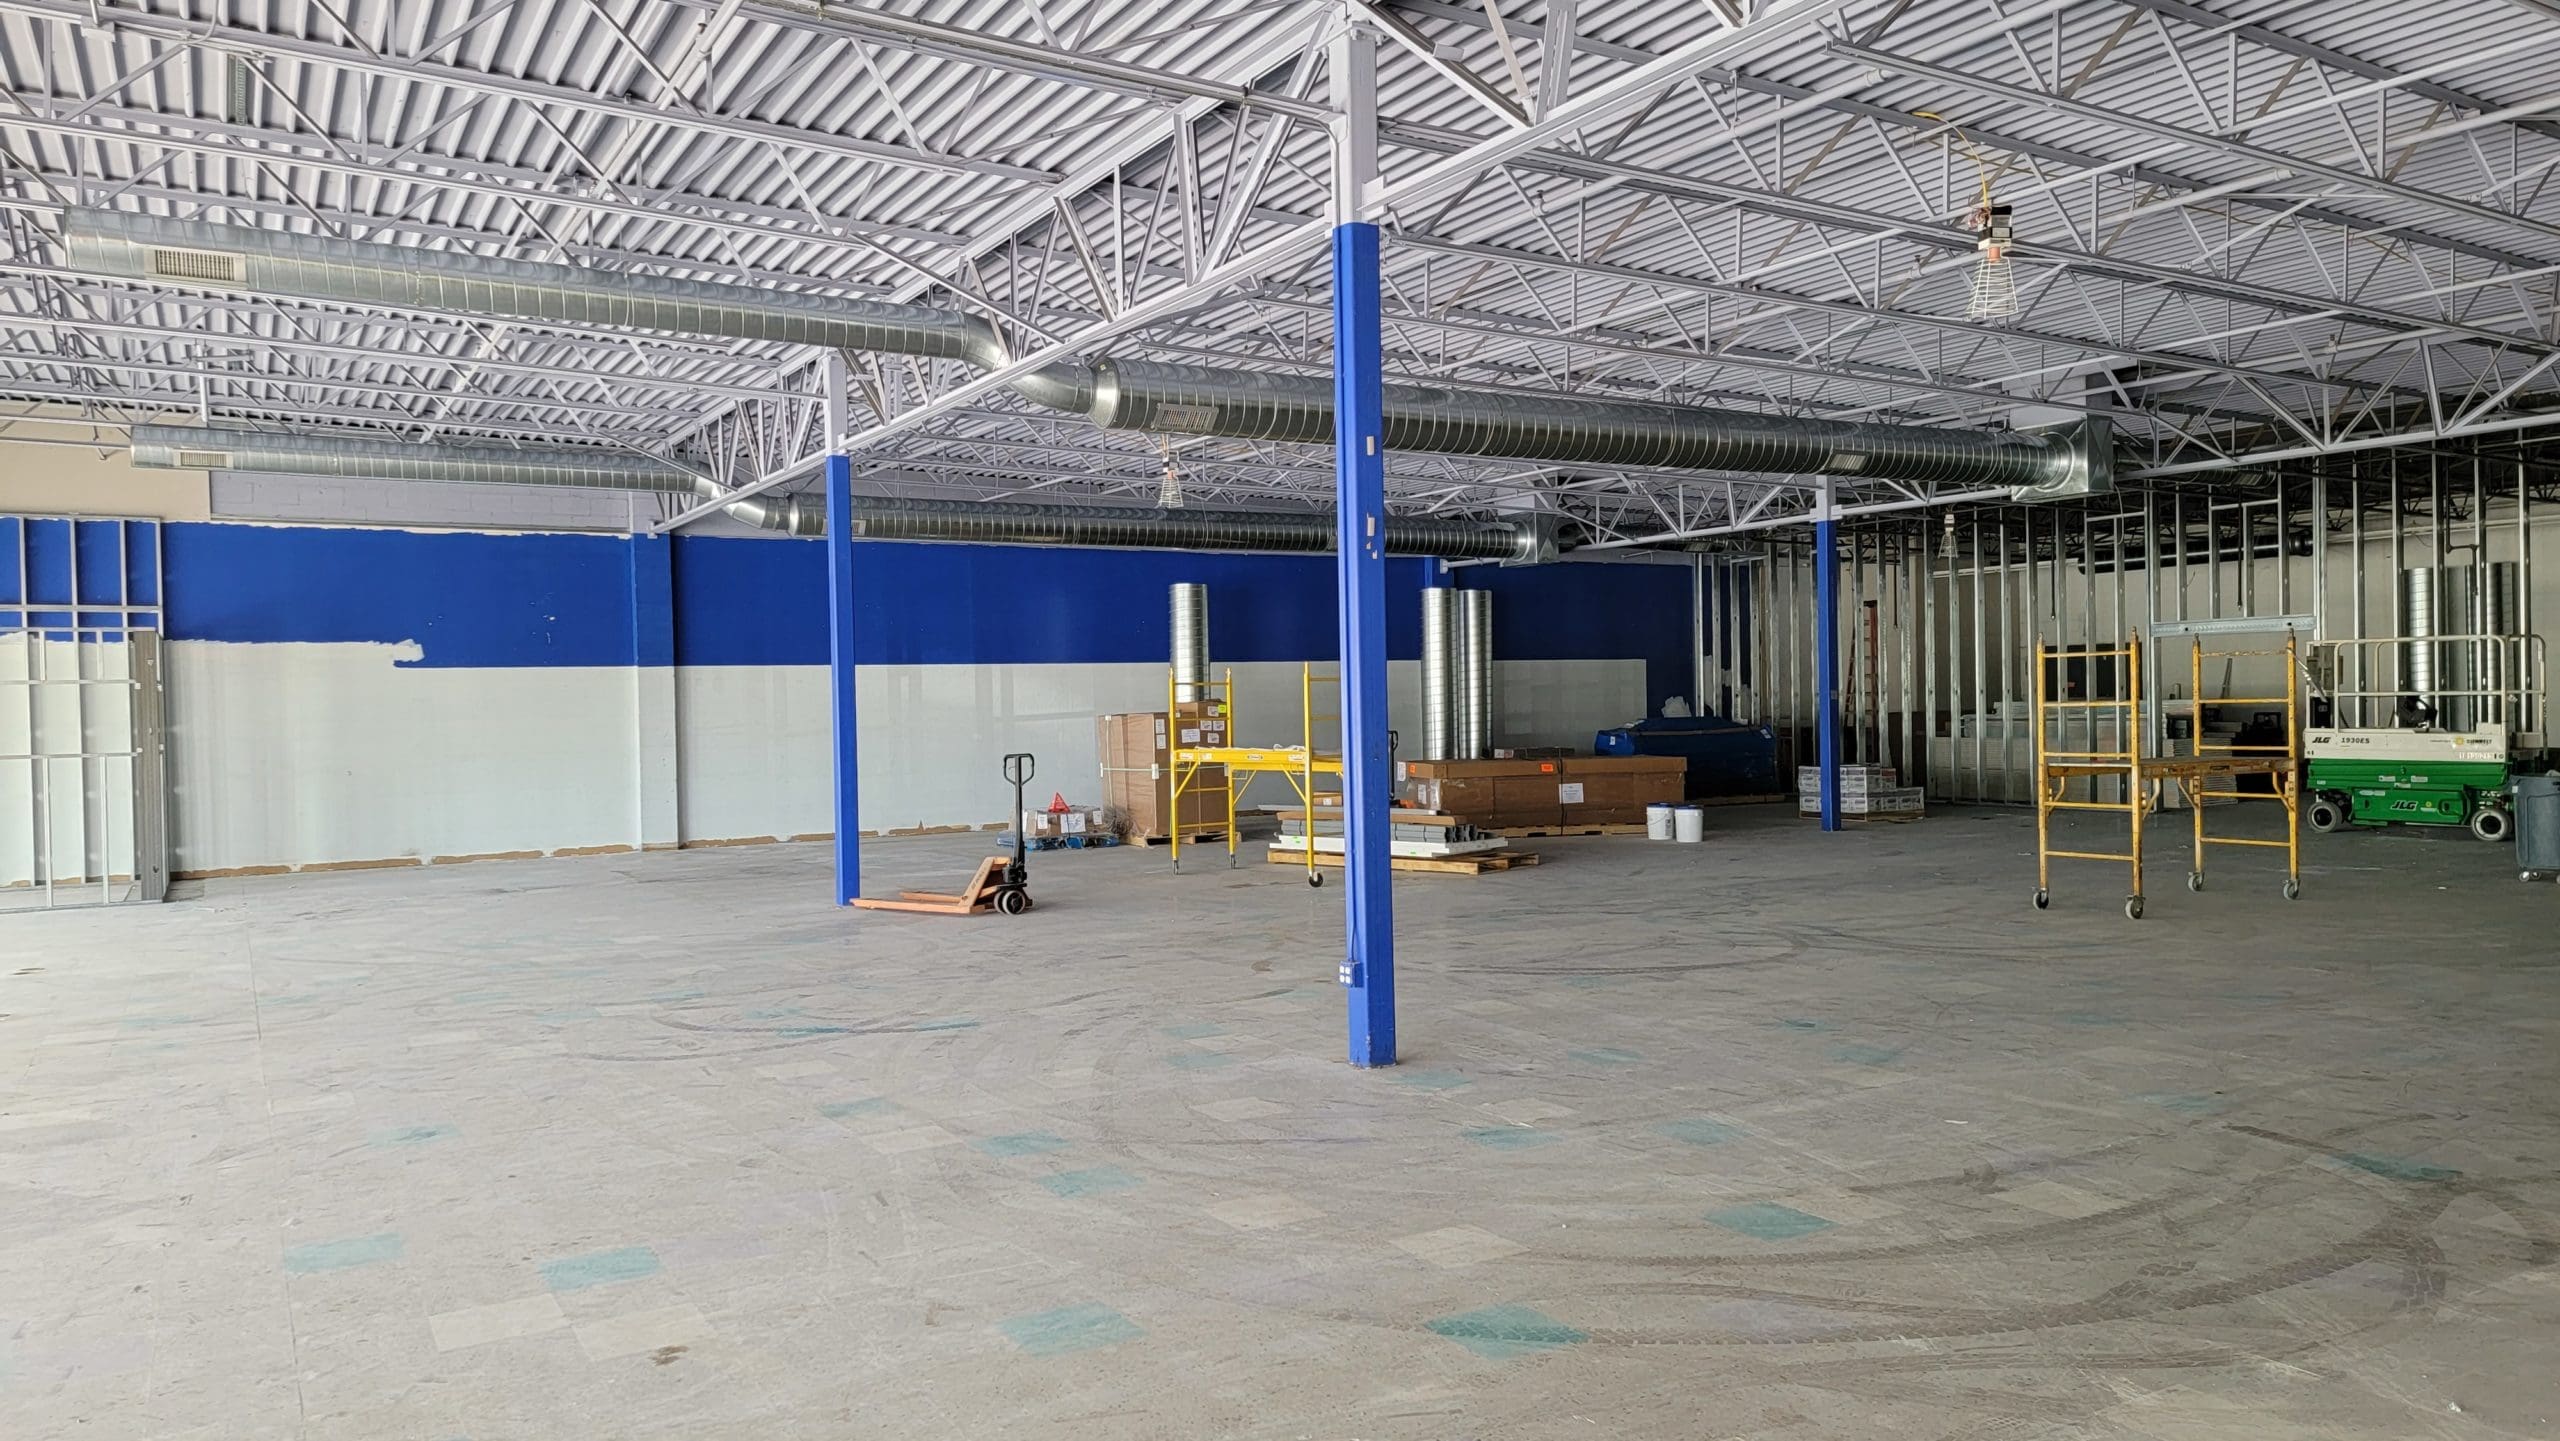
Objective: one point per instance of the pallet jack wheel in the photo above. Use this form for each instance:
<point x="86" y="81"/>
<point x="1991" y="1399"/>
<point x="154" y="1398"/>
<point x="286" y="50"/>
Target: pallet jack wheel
<point x="2043" y="899"/>
<point x="2292" y="889"/>
<point x="1316" y="879"/>
<point x="2195" y="880"/>
<point x="2133" y="908"/>
<point x="1013" y="903"/>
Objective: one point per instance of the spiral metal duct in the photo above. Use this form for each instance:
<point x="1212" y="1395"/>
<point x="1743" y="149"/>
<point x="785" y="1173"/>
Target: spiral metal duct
<point x="2418" y="628"/>
<point x="236" y="257"/>
<point x="1190" y="639"/>
<point x="190" y="447"/>
<point x="1118" y="395"/>
<point x="1439" y="644"/>
<point x="1475" y="684"/>
<point x="1203" y="400"/>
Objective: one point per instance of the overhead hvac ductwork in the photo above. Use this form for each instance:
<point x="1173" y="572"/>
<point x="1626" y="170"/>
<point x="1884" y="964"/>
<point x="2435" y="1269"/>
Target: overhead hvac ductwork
<point x="1117" y="394"/>
<point x="189" y="447"/>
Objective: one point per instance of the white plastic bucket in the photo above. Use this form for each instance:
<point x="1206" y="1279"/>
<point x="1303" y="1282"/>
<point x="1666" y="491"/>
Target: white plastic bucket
<point x="1689" y="823"/>
<point x="1658" y="822"/>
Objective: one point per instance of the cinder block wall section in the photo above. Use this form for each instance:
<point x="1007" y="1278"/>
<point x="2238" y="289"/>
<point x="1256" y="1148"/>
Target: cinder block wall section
<point x="347" y="696"/>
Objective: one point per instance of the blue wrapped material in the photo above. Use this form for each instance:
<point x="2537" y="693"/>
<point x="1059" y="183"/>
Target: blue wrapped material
<point x="1726" y="758"/>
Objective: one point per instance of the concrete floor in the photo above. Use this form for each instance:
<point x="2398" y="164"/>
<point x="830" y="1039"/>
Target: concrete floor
<point x="1781" y="1136"/>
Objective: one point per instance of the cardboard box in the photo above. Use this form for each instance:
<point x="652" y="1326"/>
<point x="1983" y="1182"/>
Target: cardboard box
<point x="1556" y="791"/>
<point x="1136" y="749"/>
<point x="1052" y="825"/>
<point x="1854" y="780"/>
<point x="1882" y="801"/>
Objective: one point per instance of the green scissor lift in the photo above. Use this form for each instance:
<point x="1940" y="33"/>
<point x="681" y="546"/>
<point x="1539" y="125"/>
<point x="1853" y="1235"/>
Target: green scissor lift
<point x="2363" y="774"/>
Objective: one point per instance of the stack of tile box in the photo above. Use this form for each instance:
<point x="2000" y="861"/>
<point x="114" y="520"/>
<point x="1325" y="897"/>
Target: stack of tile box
<point x="1864" y="791"/>
<point x="1533" y="793"/>
<point x="1137" y="774"/>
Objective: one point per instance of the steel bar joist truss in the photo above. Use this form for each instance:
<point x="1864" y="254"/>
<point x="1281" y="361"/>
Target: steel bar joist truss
<point x="2313" y="232"/>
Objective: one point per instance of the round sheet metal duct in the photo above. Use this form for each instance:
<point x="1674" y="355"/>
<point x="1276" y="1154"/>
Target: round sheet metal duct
<point x="2418" y="629"/>
<point x="1190" y="639"/>
<point x="1439" y="646"/>
<point x="1116" y="394"/>
<point x="1474" y="683"/>
<point x="190" y="447"/>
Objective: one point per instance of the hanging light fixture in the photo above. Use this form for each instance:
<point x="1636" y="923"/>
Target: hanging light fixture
<point x="1991" y="292"/>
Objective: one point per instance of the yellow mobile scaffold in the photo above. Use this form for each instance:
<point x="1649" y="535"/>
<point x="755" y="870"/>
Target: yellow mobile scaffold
<point x="2205" y="766"/>
<point x="1299" y="765"/>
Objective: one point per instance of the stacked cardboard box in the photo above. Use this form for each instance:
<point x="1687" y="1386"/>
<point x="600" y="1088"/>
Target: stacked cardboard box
<point x="1058" y="825"/>
<point x="1864" y="791"/>
<point x="1854" y="780"/>
<point x="1137" y="773"/>
<point x="1566" y="791"/>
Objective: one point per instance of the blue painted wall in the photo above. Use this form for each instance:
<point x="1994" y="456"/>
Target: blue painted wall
<point x="474" y="600"/>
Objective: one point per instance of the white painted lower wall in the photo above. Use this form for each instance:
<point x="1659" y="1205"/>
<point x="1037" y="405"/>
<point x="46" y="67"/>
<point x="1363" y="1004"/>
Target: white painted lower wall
<point x="316" y="755"/>
<point x="302" y="755"/>
<point x="752" y="741"/>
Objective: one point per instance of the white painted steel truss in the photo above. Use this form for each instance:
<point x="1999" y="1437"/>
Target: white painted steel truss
<point x="2246" y="229"/>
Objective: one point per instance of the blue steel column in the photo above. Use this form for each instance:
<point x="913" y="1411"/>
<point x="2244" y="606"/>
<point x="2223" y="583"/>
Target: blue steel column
<point x="840" y="670"/>
<point x="1826" y="662"/>
<point x="1360" y="505"/>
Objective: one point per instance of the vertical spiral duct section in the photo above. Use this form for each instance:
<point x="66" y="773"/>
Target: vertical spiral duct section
<point x="1439" y="670"/>
<point x="2502" y="615"/>
<point x="1190" y="640"/>
<point x="1475" y="685"/>
<point x="2457" y="613"/>
<point x="2417" y="632"/>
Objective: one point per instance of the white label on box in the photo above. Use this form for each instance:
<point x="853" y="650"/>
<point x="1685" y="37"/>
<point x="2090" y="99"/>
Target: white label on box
<point x="1191" y="737"/>
<point x="1071" y="823"/>
<point x="1569" y="793"/>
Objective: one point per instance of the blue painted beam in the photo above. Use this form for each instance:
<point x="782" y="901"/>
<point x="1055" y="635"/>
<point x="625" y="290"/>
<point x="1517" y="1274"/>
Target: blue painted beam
<point x="1826" y="666"/>
<point x="840" y="672"/>
<point x="1360" y="570"/>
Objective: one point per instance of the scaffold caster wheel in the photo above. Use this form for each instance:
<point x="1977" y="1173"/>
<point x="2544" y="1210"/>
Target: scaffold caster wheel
<point x="2293" y="890"/>
<point x="2133" y="908"/>
<point x="2195" y="880"/>
<point x="2043" y="900"/>
<point x="1316" y="879"/>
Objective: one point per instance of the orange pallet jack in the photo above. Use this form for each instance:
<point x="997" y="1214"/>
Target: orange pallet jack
<point x="999" y="884"/>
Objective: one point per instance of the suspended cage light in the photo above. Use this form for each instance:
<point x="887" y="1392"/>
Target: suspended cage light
<point x="1994" y="293"/>
<point x="1991" y="292"/>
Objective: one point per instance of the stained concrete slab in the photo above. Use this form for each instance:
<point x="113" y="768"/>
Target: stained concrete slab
<point x="666" y="1146"/>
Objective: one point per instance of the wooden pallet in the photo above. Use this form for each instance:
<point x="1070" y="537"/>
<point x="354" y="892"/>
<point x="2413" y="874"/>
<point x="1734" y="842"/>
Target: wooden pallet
<point x="1889" y="817"/>
<point x="978" y="895"/>
<point x="1768" y="800"/>
<point x="1189" y="838"/>
<point x="1433" y="865"/>
<point x="1635" y="828"/>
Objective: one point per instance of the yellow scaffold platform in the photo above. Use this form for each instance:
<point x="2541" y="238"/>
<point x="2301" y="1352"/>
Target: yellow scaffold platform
<point x="2206" y="771"/>
<point x="1298" y="765"/>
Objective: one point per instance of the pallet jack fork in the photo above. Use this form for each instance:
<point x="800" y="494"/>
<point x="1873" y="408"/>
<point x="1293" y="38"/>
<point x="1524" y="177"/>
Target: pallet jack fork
<point x="1000" y="884"/>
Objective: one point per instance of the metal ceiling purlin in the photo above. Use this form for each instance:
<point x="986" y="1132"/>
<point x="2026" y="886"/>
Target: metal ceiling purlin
<point x="1725" y="202"/>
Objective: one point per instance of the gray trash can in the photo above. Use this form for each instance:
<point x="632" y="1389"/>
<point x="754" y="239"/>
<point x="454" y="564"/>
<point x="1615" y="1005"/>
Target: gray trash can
<point x="2537" y="826"/>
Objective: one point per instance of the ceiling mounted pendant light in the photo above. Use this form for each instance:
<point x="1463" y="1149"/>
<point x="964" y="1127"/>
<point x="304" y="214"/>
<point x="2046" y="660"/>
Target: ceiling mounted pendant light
<point x="1991" y="292"/>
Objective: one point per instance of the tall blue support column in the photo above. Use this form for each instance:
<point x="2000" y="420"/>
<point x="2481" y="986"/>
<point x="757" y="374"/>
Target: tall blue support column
<point x="1826" y="662"/>
<point x="1360" y="570"/>
<point x="840" y="669"/>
